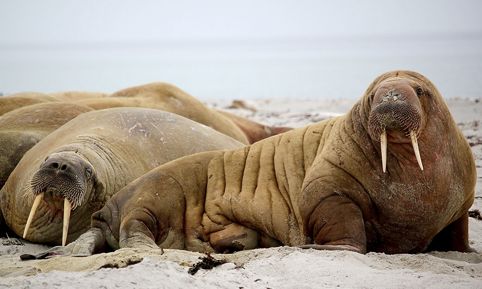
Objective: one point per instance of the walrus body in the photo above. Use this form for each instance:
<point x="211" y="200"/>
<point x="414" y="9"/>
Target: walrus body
<point x="22" y="128"/>
<point x="90" y="158"/>
<point x="322" y="186"/>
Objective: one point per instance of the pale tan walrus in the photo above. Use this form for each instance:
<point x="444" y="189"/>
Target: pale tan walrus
<point x="79" y="166"/>
<point x="393" y="175"/>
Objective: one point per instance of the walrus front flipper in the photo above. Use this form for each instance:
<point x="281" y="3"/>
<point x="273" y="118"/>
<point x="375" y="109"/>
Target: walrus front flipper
<point x="87" y="244"/>
<point x="337" y="224"/>
<point x="135" y="234"/>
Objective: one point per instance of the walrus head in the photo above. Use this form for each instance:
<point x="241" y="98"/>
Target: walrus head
<point x="64" y="177"/>
<point x="397" y="115"/>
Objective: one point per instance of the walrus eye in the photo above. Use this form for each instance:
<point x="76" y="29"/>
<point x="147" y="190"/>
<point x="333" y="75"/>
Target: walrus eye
<point x="88" y="173"/>
<point x="419" y="91"/>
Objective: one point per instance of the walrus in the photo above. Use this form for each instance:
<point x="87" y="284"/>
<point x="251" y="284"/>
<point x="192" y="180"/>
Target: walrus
<point x="77" y="95"/>
<point x="79" y="166"/>
<point x="393" y="175"/>
<point x="17" y="100"/>
<point x="170" y="98"/>
<point x="254" y="131"/>
<point x="22" y="128"/>
<point x="22" y="99"/>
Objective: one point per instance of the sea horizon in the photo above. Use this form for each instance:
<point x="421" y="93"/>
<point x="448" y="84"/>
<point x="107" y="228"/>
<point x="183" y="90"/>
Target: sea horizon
<point x="210" y="69"/>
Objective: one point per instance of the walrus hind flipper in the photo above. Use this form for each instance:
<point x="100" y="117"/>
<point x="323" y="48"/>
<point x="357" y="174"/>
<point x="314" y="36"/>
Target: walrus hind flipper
<point x="234" y="237"/>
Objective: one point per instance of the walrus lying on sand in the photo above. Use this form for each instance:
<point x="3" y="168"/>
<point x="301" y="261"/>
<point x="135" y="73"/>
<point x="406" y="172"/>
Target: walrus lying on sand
<point x="394" y="175"/>
<point x="170" y="98"/>
<point x="80" y="165"/>
<point x="22" y="128"/>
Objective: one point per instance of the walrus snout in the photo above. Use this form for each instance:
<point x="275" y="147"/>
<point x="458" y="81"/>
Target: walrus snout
<point x="396" y="115"/>
<point x="61" y="176"/>
<point x="66" y="176"/>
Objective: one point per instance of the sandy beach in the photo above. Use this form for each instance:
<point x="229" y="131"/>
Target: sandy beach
<point x="281" y="267"/>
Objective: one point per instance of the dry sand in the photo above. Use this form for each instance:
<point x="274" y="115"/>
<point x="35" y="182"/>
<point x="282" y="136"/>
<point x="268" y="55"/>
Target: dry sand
<point x="281" y="267"/>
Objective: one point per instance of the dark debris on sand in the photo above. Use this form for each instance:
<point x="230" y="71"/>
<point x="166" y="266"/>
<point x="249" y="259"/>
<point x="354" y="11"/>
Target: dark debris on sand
<point x="207" y="262"/>
<point x="11" y="241"/>
<point x="475" y="214"/>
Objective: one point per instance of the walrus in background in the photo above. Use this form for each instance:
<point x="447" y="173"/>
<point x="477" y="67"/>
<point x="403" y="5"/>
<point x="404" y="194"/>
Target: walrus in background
<point x="170" y="98"/>
<point x="79" y="166"/>
<point x="14" y="101"/>
<point x="22" y="128"/>
<point x="254" y="131"/>
<point x="18" y="100"/>
<point x="77" y="95"/>
<point x="394" y="175"/>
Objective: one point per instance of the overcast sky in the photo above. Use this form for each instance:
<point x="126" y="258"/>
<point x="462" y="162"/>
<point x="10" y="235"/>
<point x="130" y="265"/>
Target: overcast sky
<point x="246" y="48"/>
<point x="91" y="21"/>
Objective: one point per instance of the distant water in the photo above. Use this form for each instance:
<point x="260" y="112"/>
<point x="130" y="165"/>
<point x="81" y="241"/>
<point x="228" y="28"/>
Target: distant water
<point x="295" y="69"/>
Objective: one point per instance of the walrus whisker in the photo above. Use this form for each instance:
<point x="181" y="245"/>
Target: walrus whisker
<point x="36" y="202"/>
<point x="383" y="147"/>
<point x="65" y="230"/>
<point x="413" y="136"/>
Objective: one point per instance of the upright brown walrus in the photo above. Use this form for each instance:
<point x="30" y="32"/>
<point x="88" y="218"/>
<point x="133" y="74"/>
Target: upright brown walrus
<point x="79" y="166"/>
<point x="394" y="175"/>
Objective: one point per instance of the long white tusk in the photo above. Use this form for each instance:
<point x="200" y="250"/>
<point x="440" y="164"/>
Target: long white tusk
<point x="413" y="136"/>
<point x="383" y="145"/>
<point x="67" y="210"/>
<point x="36" y="202"/>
